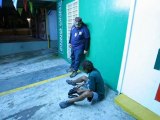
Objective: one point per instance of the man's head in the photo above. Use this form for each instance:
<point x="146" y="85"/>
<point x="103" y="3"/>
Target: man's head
<point x="87" y="66"/>
<point x="78" y="22"/>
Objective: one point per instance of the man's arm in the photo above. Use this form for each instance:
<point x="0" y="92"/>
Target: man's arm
<point x="71" y="34"/>
<point x="87" y="42"/>
<point x="80" y="84"/>
<point x="87" y="39"/>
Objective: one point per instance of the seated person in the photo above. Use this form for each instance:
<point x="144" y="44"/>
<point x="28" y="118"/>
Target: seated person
<point x="94" y="86"/>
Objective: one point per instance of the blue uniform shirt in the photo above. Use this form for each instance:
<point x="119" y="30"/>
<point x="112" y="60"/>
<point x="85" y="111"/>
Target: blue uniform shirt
<point x="79" y="37"/>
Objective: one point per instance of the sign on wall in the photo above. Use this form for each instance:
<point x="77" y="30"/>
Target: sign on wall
<point x="60" y="26"/>
<point x="157" y="63"/>
<point x="158" y="94"/>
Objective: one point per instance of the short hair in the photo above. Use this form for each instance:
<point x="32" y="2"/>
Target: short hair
<point x="78" y="19"/>
<point x="87" y="66"/>
<point x="78" y="22"/>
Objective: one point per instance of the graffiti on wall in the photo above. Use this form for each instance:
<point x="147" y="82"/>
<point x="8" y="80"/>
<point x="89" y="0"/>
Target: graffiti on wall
<point x="60" y="27"/>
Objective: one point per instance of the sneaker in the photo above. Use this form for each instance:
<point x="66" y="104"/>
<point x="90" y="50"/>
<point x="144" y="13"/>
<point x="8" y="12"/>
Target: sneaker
<point x="70" y="82"/>
<point x="65" y="104"/>
<point x="74" y="73"/>
<point x="72" y="91"/>
<point x="70" y="70"/>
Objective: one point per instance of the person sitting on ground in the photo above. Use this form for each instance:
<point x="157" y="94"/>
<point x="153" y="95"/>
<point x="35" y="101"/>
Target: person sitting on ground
<point x="94" y="85"/>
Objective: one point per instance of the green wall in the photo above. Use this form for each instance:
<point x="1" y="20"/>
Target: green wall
<point x="107" y="22"/>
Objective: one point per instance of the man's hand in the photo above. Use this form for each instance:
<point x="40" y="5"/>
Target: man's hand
<point x="70" y="45"/>
<point x="85" y="52"/>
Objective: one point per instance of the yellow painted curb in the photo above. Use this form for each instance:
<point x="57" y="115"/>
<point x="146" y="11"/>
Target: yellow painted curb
<point x="135" y="109"/>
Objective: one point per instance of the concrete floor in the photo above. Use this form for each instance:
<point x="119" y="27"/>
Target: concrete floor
<point x="25" y="94"/>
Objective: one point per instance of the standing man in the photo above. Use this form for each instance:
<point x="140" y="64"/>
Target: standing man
<point x="79" y="43"/>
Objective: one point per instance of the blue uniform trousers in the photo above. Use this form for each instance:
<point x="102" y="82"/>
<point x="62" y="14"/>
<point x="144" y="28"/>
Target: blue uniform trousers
<point x="76" y="57"/>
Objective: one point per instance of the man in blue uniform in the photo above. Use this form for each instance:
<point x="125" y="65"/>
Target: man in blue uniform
<point x="79" y="43"/>
<point x="93" y="87"/>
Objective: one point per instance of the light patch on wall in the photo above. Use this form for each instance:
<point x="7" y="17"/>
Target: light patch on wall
<point x="102" y="7"/>
<point x="121" y="4"/>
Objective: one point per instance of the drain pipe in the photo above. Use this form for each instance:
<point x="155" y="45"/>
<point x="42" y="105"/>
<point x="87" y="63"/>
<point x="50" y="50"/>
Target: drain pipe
<point x="126" y="46"/>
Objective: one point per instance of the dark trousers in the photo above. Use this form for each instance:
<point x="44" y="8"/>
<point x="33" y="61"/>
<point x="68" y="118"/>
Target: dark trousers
<point x="76" y="57"/>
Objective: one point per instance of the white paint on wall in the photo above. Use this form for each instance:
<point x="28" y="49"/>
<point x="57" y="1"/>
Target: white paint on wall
<point x="121" y="4"/>
<point x="141" y="80"/>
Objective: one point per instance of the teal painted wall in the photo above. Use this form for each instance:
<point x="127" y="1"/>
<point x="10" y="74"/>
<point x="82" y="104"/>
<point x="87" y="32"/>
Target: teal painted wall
<point x="107" y="22"/>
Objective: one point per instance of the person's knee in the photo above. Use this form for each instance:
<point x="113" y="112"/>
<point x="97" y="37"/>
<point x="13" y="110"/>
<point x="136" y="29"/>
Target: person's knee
<point x="84" y="77"/>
